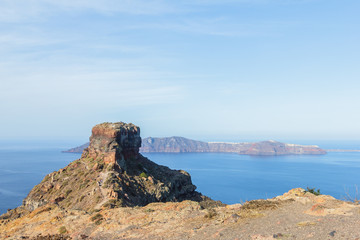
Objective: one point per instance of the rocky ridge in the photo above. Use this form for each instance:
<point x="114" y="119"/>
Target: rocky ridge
<point x="181" y="145"/>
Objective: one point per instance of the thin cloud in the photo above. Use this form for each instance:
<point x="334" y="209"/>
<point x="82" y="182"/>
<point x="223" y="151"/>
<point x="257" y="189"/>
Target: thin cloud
<point x="220" y="27"/>
<point x="137" y="7"/>
<point x="19" y="10"/>
<point x="37" y="10"/>
<point x="94" y="90"/>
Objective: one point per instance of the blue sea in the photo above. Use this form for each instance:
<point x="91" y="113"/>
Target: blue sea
<point x="228" y="177"/>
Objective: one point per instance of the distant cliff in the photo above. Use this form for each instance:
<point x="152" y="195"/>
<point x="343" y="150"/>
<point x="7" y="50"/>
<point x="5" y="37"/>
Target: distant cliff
<point x="78" y="149"/>
<point x="182" y="145"/>
<point x="173" y="144"/>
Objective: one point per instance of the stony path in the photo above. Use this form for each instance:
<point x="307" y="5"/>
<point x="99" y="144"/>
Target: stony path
<point x="103" y="177"/>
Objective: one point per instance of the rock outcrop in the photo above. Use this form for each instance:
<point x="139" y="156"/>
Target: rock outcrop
<point x="114" y="142"/>
<point x="182" y="145"/>
<point x="111" y="173"/>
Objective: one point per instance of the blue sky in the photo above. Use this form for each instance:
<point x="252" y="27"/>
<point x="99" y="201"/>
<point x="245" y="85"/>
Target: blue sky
<point x="209" y="70"/>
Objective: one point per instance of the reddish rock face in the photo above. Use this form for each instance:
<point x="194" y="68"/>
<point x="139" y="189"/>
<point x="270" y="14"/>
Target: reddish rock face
<point x="114" y="141"/>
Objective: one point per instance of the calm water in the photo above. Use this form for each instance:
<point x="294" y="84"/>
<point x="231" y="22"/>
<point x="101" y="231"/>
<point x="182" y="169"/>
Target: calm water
<point x="234" y="178"/>
<point x="20" y="171"/>
<point x="230" y="178"/>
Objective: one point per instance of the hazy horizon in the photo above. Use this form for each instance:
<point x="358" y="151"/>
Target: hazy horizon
<point x="206" y="70"/>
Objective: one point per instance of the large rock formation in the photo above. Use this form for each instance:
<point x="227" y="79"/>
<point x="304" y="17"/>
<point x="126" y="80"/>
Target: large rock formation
<point x="181" y="145"/>
<point x="111" y="173"/>
<point x="114" y="142"/>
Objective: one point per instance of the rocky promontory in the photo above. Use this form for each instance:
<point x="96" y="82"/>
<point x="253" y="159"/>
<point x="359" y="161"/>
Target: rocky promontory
<point x="110" y="173"/>
<point x="182" y="145"/>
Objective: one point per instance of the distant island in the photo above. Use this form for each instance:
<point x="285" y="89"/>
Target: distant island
<point x="185" y="145"/>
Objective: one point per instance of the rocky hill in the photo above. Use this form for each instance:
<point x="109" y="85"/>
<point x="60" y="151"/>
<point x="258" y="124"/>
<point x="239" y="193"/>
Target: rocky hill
<point x="181" y="145"/>
<point x="110" y="173"/>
